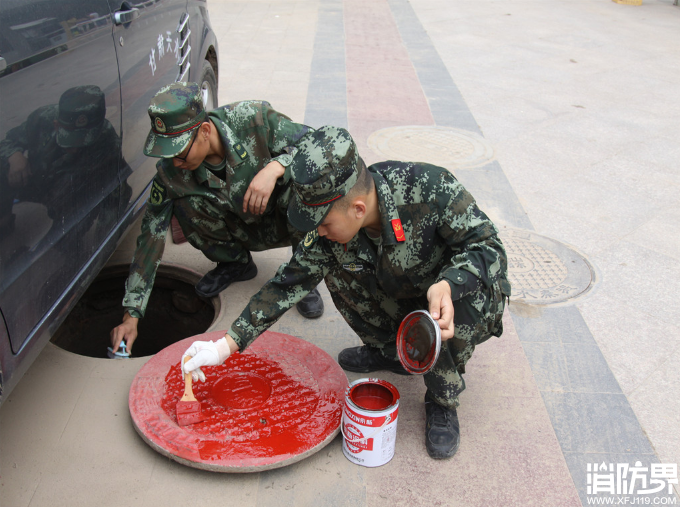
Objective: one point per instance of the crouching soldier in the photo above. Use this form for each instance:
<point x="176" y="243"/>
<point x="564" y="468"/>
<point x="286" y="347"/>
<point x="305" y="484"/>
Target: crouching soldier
<point x="388" y="239"/>
<point x="224" y="175"/>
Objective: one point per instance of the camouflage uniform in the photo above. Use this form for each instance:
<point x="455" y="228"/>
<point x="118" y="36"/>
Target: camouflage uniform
<point x="66" y="159"/>
<point x="432" y="230"/>
<point x="209" y="209"/>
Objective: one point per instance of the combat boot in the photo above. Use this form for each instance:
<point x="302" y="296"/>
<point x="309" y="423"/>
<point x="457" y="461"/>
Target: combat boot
<point x="442" y="430"/>
<point x="311" y="306"/>
<point x="366" y="359"/>
<point x="218" y="279"/>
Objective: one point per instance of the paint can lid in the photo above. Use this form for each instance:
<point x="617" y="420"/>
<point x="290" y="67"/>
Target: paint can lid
<point x="419" y="341"/>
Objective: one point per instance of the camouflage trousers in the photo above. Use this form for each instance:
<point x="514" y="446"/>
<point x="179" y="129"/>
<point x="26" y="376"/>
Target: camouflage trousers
<point x="223" y="236"/>
<point x="376" y="319"/>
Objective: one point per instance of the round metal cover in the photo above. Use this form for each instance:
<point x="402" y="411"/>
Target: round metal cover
<point x="444" y="146"/>
<point x="274" y="404"/>
<point x="419" y="341"/>
<point x="543" y="271"/>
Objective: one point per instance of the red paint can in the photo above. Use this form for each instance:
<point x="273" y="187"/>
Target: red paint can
<point x="369" y="422"/>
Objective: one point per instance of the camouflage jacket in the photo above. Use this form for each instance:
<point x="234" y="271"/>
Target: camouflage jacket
<point x="37" y="135"/>
<point x="88" y="172"/>
<point x="432" y="230"/>
<point x="48" y="161"/>
<point x="253" y="134"/>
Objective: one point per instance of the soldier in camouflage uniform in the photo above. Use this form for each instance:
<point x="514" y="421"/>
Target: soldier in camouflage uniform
<point x="388" y="240"/>
<point x="58" y="149"/>
<point x="224" y="175"/>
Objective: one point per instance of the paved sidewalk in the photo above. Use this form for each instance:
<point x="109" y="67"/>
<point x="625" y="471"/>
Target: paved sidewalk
<point x="562" y="120"/>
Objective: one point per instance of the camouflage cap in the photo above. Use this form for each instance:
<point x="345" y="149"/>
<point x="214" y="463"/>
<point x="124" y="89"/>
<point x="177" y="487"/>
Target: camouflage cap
<point x="324" y="169"/>
<point x="175" y="111"/>
<point x="82" y="110"/>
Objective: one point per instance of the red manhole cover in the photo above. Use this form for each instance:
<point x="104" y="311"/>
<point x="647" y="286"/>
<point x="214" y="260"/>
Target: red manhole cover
<point x="241" y="391"/>
<point x="275" y="404"/>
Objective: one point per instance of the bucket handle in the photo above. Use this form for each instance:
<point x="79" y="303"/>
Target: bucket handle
<point x="388" y="419"/>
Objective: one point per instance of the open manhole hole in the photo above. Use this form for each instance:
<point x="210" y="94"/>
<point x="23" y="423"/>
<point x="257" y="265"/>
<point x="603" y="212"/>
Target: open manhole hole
<point x="174" y="312"/>
<point x="444" y="146"/>
<point x="543" y="271"/>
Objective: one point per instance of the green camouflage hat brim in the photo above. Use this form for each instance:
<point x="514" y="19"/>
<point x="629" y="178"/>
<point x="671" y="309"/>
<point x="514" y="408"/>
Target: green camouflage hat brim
<point x="79" y="137"/>
<point x="161" y="146"/>
<point x="307" y="218"/>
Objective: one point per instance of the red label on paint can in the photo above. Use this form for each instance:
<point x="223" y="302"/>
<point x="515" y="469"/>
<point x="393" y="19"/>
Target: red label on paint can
<point x="357" y="443"/>
<point x="372" y="422"/>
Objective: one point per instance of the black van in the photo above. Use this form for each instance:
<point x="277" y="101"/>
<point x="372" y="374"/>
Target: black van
<point x="76" y="78"/>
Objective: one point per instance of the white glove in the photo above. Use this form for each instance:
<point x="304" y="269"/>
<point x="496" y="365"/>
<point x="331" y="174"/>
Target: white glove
<point x="204" y="354"/>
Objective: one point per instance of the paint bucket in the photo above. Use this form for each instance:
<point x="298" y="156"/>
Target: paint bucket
<point x="369" y="422"/>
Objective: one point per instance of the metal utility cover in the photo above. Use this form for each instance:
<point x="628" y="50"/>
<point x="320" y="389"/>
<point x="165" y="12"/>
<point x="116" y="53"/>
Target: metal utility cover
<point x="544" y="271"/>
<point x="444" y="146"/>
<point x="273" y="405"/>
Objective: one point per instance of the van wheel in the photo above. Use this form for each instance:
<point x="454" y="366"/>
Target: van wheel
<point x="208" y="83"/>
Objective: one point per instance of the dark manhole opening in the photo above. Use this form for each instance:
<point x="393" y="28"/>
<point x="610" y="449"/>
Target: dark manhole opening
<point x="174" y="312"/>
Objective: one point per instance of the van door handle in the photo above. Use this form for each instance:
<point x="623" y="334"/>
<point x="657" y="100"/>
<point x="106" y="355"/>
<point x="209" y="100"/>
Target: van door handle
<point x="122" y="17"/>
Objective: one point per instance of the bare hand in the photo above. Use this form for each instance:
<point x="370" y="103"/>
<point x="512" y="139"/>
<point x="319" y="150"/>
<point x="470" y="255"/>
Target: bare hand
<point x="126" y="331"/>
<point x="441" y="307"/>
<point x="19" y="170"/>
<point x="261" y="188"/>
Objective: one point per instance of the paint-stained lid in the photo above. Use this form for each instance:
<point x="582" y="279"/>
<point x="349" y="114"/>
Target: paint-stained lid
<point x="419" y="341"/>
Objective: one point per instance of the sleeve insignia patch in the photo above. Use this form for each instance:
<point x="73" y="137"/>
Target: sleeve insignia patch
<point x="158" y="193"/>
<point x="310" y="238"/>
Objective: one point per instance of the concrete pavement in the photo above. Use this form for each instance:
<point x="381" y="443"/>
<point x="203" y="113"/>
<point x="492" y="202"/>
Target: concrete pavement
<point x="571" y="109"/>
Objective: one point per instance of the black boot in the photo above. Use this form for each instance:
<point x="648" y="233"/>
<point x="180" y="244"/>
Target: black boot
<point x="218" y="279"/>
<point x="442" y="430"/>
<point x="366" y="359"/>
<point x="311" y="306"/>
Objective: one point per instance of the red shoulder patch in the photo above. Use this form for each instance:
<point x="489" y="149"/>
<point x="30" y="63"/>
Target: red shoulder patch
<point x="398" y="230"/>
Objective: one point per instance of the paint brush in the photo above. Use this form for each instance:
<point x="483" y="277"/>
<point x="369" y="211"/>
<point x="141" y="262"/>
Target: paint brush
<point x="188" y="408"/>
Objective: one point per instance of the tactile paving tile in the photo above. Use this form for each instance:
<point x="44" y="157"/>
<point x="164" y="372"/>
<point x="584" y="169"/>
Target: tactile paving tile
<point x="543" y="271"/>
<point x="447" y="147"/>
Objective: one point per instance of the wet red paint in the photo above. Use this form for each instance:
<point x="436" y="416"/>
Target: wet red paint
<point x="239" y="403"/>
<point x="241" y="391"/>
<point x="371" y="396"/>
<point x="416" y="341"/>
<point x="280" y="399"/>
